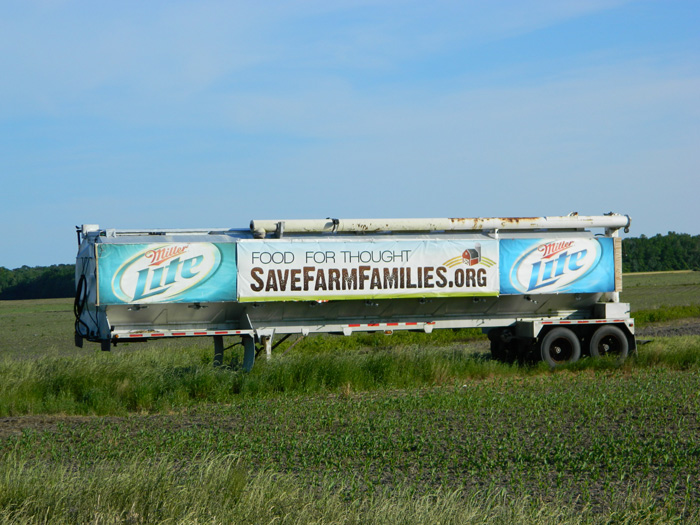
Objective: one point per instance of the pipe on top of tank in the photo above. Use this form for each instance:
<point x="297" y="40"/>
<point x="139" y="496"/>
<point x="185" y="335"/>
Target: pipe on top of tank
<point x="611" y="222"/>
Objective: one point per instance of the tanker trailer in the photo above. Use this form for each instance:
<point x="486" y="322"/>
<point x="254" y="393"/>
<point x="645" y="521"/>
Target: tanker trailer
<point x="542" y="286"/>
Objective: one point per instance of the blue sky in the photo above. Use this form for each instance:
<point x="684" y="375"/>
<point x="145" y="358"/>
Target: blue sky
<point x="183" y="114"/>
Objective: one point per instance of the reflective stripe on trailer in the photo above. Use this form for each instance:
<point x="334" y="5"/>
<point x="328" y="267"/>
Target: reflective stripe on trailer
<point x="628" y="322"/>
<point x="385" y="325"/>
<point x="180" y="333"/>
<point x="589" y="321"/>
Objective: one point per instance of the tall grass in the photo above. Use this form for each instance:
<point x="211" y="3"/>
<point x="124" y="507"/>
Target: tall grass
<point x="149" y="380"/>
<point x="152" y="381"/>
<point x="218" y="489"/>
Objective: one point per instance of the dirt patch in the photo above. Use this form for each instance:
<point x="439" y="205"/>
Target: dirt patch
<point x="670" y="328"/>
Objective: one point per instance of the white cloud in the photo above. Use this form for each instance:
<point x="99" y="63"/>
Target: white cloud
<point x="61" y="53"/>
<point x="212" y="113"/>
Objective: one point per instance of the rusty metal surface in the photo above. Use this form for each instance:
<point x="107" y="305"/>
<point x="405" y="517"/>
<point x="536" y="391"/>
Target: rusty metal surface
<point x="569" y="222"/>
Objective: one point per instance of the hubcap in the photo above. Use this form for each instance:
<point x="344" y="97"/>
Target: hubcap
<point x="561" y="350"/>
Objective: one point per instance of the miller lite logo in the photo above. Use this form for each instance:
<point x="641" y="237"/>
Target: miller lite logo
<point x="552" y="266"/>
<point x="163" y="272"/>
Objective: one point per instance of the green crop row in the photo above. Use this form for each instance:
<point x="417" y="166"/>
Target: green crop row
<point x="583" y="440"/>
<point x="216" y="489"/>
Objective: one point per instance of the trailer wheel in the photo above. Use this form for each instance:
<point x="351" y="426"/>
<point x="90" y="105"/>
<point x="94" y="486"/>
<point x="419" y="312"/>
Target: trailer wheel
<point x="560" y="346"/>
<point x="609" y="340"/>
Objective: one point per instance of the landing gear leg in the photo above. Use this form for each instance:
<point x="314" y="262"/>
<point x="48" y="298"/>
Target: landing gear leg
<point x="218" y="350"/>
<point x="249" y="352"/>
<point x="267" y="343"/>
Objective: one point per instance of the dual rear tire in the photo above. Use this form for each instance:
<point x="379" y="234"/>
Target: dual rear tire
<point x="609" y="340"/>
<point x="562" y="346"/>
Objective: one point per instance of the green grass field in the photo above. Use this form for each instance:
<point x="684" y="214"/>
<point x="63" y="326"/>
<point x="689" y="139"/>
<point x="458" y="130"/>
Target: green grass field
<point x="410" y="428"/>
<point x="648" y="291"/>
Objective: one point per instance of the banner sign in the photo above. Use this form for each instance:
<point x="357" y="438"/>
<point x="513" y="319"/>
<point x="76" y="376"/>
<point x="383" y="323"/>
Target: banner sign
<point x="320" y="270"/>
<point x="577" y="265"/>
<point x="288" y="270"/>
<point x="166" y="273"/>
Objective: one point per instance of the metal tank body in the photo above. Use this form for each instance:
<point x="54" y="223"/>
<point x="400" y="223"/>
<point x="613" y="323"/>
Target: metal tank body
<point x="516" y="278"/>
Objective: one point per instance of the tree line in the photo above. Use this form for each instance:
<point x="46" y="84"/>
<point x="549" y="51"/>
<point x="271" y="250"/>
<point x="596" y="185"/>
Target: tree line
<point x="38" y="282"/>
<point x="673" y="251"/>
